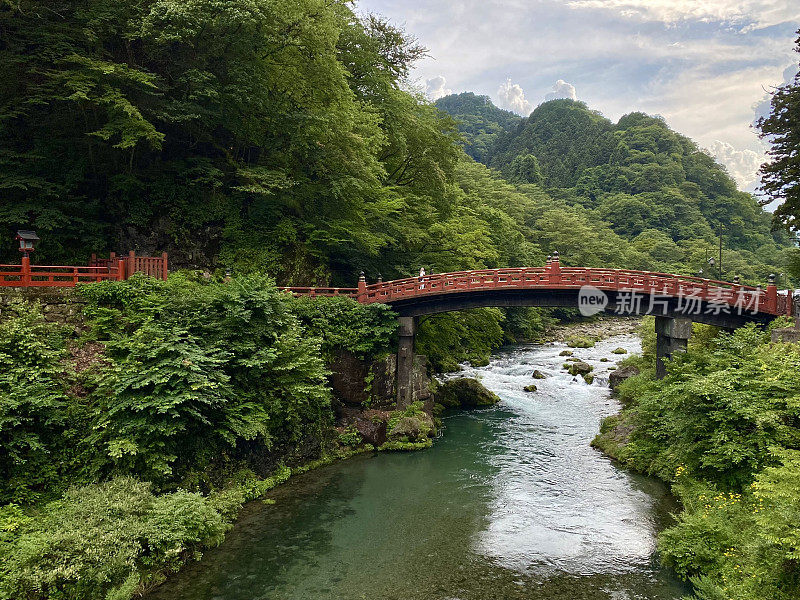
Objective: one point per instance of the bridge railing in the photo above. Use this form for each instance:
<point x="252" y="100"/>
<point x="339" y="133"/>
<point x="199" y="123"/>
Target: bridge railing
<point x="321" y="291"/>
<point x="556" y="277"/>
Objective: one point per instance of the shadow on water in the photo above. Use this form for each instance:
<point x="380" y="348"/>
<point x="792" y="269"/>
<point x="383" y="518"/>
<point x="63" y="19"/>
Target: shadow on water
<point x="510" y="503"/>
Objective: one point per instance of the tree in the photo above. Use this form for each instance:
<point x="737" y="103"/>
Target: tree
<point x="524" y="169"/>
<point x="780" y="177"/>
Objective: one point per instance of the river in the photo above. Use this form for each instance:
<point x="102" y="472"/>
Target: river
<point x="510" y="503"/>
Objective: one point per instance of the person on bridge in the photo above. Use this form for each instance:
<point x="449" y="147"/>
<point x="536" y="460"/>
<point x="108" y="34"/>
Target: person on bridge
<point x="421" y="278"/>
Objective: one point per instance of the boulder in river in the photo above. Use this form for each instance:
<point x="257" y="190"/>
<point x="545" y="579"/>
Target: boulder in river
<point x="579" y="368"/>
<point x="565" y="353"/>
<point x="619" y="351"/>
<point x="465" y="393"/>
<point x="537" y="374"/>
<point x="621" y="374"/>
<point x="580" y="341"/>
<point x="588" y="378"/>
<point x="530" y="388"/>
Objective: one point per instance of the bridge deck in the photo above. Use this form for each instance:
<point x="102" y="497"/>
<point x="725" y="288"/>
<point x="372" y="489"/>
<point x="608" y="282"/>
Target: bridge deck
<point x="554" y="277"/>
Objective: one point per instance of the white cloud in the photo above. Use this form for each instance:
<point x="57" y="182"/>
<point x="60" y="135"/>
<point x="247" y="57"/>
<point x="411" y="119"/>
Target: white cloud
<point x="763" y="107"/>
<point x="562" y="89"/>
<point x="742" y="165"/>
<point x="745" y="14"/>
<point x="436" y="87"/>
<point x="512" y="97"/>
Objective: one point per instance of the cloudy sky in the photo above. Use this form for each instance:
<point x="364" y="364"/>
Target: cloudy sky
<point x="704" y="65"/>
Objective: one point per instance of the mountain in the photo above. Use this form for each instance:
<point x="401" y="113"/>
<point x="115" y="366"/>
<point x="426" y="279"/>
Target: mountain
<point x="637" y="174"/>
<point x="479" y="121"/>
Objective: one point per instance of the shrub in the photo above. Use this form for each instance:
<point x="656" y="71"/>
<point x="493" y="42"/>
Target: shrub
<point x="106" y="540"/>
<point x="33" y="403"/>
<point x="366" y="330"/>
<point x="201" y="369"/>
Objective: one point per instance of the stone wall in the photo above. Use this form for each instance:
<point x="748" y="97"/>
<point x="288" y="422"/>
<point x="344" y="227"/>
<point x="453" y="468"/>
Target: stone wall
<point x="357" y="383"/>
<point x="61" y="305"/>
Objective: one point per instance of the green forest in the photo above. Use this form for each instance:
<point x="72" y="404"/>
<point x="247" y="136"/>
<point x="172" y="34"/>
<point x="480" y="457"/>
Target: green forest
<point x="281" y="141"/>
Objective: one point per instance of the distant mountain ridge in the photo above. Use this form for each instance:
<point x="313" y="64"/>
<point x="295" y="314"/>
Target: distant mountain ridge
<point x="637" y="174"/>
<point x="479" y="121"/>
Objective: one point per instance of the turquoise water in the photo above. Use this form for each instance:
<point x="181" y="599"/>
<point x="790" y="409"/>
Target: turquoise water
<point x="510" y="503"/>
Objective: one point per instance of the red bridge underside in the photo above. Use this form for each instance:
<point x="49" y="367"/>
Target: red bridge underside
<point x="557" y="278"/>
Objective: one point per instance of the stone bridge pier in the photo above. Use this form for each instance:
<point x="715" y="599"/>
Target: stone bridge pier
<point x="672" y="335"/>
<point x="405" y="360"/>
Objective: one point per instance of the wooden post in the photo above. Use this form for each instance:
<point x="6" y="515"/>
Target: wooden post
<point x="362" y="288"/>
<point x="772" y="296"/>
<point x="26" y="271"/>
<point x="164" y="270"/>
<point x="555" y="269"/>
<point x="74" y="275"/>
<point x="130" y="266"/>
<point x="120" y="270"/>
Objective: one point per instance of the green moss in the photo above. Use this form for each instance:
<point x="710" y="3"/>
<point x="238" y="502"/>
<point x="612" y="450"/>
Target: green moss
<point x="401" y="446"/>
<point x="580" y="341"/>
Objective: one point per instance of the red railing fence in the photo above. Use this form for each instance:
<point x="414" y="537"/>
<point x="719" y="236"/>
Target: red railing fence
<point x="114" y="268"/>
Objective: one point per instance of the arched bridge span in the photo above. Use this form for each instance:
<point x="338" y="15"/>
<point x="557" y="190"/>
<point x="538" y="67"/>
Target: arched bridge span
<point x="675" y="300"/>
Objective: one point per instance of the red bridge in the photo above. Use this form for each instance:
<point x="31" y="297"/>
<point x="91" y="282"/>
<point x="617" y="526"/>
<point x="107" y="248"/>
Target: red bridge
<point x="675" y="300"/>
<point x="554" y="285"/>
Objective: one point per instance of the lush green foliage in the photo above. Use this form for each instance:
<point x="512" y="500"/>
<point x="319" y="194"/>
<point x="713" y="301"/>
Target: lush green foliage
<point x="781" y="175"/>
<point x="649" y="198"/>
<point x="105" y="541"/>
<point x="724" y="427"/>
<point x="34" y="407"/>
<point x="343" y="324"/>
<point x="479" y="121"/>
<point x="450" y="338"/>
<point x="201" y="368"/>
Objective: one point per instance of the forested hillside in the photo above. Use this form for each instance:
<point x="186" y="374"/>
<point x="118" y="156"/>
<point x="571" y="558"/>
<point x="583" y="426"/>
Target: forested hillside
<point x="479" y="121"/>
<point x="650" y="185"/>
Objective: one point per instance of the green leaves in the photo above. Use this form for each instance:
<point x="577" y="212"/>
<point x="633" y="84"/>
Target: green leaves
<point x="200" y="370"/>
<point x="105" y="541"/>
<point x="33" y="404"/>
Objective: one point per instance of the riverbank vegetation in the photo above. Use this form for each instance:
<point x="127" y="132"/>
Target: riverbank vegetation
<point x="724" y="429"/>
<point x="210" y="392"/>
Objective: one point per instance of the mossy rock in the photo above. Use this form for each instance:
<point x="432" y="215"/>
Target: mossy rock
<point x="537" y="374"/>
<point x="580" y="342"/>
<point x="414" y="428"/>
<point x="604" y="359"/>
<point x="580" y="368"/>
<point x="530" y="388"/>
<point x="574" y="359"/>
<point x="619" y="351"/>
<point x="398" y="446"/>
<point x="565" y="353"/>
<point x="465" y="392"/>
<point x="588" y="378"/>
